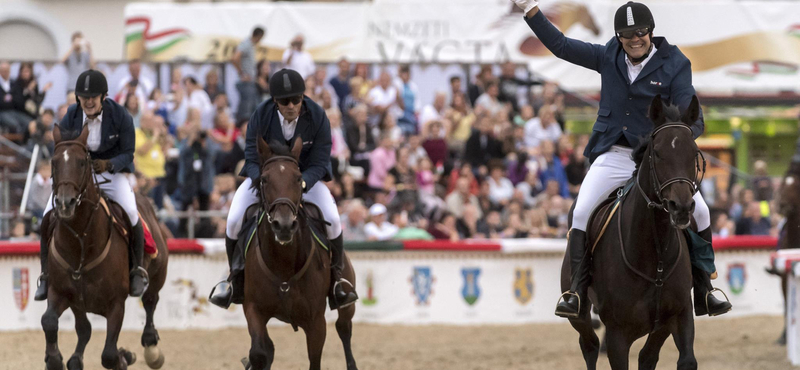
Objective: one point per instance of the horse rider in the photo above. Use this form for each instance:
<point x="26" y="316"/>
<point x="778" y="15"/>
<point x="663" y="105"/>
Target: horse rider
<point x="287" y="115"/>
<point x="111" y="143"/>
<point x="634" y="67"/>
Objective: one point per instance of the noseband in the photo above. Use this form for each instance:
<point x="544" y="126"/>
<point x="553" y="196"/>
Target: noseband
<point x="80" y="188"/>
<point x="658" y="187"/>
<point x="293" y="207"/>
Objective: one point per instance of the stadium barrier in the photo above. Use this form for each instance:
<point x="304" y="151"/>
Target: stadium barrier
<point x="409" y="282"/>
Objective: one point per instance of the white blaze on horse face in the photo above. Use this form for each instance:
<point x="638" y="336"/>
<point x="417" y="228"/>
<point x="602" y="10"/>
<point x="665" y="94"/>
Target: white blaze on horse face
<point x="66" y="157"/>
<point x="790" y="180"/>
<point x="673" y="142"/>
<point x="283" y="168"/>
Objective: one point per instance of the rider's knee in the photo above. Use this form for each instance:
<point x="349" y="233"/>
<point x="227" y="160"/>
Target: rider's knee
<point x="335" y="228"/>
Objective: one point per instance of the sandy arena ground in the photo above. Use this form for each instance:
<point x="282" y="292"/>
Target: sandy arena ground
<point x="721" y="344"/>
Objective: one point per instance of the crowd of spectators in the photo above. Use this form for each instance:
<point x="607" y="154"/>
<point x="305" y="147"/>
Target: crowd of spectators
<point x="487" y="158"/>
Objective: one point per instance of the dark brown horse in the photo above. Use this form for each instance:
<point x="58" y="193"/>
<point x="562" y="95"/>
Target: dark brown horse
<point x="88" y="262"/>
<point x="640" y="265"/>
<point x="287" y="273"/>
<point x="789" y="207"/>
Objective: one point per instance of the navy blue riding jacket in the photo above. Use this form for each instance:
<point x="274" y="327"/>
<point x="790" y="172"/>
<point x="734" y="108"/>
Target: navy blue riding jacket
<point x="312" y="126"/>
<point x="118" y="136"/>
<point x="623" y="103"/>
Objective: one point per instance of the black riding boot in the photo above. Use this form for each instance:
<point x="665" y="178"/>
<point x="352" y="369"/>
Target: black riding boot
<point x="339" y="298"/>
<point x="41" y="291"/>
<point x="222" y="294"/>
<point x="139" y="278"/>
<point x="704" y="302"/>
<point x="579" y="260"/>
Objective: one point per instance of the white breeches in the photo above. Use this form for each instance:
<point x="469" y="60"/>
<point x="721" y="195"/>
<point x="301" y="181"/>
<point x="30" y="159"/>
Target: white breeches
<point x="118" y="189"/>
<point x="610" y="171"/>
<point x="319" y="195"/>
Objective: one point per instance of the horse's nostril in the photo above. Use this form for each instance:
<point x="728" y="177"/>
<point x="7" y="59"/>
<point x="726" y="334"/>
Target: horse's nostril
<point x="294" y="225"/>
<point x="275" y="225"/>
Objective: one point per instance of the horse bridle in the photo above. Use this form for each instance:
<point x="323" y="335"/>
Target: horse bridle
<point x="81" y="189"/>
<point x="658" y="187"/>
<point x="294" y="207"/>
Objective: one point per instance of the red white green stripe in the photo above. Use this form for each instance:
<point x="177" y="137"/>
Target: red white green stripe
<point x="137" y="28"/>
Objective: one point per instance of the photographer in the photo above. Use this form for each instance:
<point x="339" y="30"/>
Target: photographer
<point x="196" y="176"/>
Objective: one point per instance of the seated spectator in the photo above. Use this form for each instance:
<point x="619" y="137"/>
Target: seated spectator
<point x="381" y="160"/>
<point x="405" y="179"/>
<point x="474" y="91"/>
<point x="213" y="87"/>
<point x="464" y="171"/>
<point x="360" y="139"/>
<point x="542" y="128"/>
<point x="459" y="199"/>
<point x="752" y="222"/>
<point x="467" y="224"/>
<point x="353" y="221"/>
<point x="461" y="119"/>
<point x="407" y="101"/>
<point x="500" y="188"/>
<point x="382" y="99"/>
<point x="444" y="228"/>
<point x="537" y="223"/>
<point x="434" y="144"/>
<point x="40" y="132"/>
<point x="150" y="159"/>
<point x="132" y="107"/>
<point x="554" y="170"/>
<point x="198" y="99"/>
<point x="415" y="151"/>
<point x="40" y="189"/>
<point x="378" y="228"/>
<point x="388" y="125"/>
<point x="225" y="135"/>
<point x="482" y="146"/>
<point x="426" y="178"/>
<point x="530" y="187"/>
<point x="488" y="100"/>
<point x="340" y="153"/>
<point x="491" y="227"/>
<point x="434" y="111"/>
<point x="27" y="90"/>
<point x="406" y="230"/>
<point x="518" y="167"/>
<point x="722" y="227"/>
<point x="576" y="170"/>
<point x="12" y="120"/>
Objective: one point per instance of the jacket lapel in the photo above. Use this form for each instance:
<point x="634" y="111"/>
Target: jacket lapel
<point x="657" y="60"/>
<point x="105" y="127"/>
<point x="622" y="66"/>
<point x="275" y="126"/>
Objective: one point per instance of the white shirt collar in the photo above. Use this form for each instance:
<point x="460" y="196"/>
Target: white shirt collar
<point x="634" y="70"/>
<point x="99" y="118"/>
<point x="284" y="121"/>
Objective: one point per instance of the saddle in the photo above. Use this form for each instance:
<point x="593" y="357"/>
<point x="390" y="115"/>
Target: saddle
<point x="121" y="222"/>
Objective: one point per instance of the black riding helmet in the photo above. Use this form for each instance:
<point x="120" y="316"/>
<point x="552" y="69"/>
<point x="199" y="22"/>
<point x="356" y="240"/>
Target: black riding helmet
<point x="286" y="83"/>
<point x="632" y="16"/>
<point x="91" y="83"/>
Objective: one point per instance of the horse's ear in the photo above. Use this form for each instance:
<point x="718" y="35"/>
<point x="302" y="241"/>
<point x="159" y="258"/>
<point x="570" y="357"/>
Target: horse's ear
<point x="657" y="111"/>
<point x="264" y="152"/>
<point x="692" y="113"/>
<point x="56" y="133"/>
<point x="297" y="147"/>
<point x="84" y="136"/>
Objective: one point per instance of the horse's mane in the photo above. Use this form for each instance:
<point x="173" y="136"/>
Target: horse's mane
<point x="672" y="114"/>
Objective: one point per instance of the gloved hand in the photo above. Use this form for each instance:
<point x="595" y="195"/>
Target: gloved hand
<point x="526" y="5"/>
<point x="101" y="165"/>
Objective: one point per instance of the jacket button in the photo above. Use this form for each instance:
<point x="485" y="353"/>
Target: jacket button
<point x="627" y="113"/>
<point x="624" y="128"/>
<point x="629" y="98"/>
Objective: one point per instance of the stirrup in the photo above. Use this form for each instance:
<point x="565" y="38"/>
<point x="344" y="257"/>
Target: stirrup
<point x="706" y="299"/>
<point x="340" y="282"/>
<point x="214" y="288"/>
<point x="564" y="296"/>
<point x="41" y="277"/>
<point x="145" y="277"/>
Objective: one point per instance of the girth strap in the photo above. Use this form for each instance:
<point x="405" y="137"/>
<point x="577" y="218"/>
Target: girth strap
<point x="284" y="286"/>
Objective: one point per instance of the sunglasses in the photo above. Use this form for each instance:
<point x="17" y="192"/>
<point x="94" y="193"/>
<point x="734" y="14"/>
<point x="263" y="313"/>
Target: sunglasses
<point x="641" y="32"/>
<point x="292" y="99"/>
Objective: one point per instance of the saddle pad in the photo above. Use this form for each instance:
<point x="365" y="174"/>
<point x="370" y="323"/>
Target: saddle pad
<point x="120" y="220"/>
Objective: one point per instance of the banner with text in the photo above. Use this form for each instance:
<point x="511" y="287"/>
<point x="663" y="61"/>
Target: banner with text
<point x="738" y="45"/>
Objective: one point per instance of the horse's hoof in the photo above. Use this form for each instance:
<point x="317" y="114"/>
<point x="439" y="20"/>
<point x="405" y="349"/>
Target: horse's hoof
<point x="246" y="363"/>
<point x="75" y="363"/>
<point x="130" y="357"/>
<point x="154" y="357"/>
<point x="54" y="363"/>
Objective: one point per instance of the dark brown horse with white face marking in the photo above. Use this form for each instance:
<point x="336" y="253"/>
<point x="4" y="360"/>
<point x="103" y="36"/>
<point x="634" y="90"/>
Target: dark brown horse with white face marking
<point x="287" y="273"/>
<point x="789" y="207"/>
<point x="641" y="268"/>
<point x="88" y="263"/>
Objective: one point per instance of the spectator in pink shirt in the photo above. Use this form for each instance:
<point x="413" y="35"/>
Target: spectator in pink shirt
<point x="381" y="160"/>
